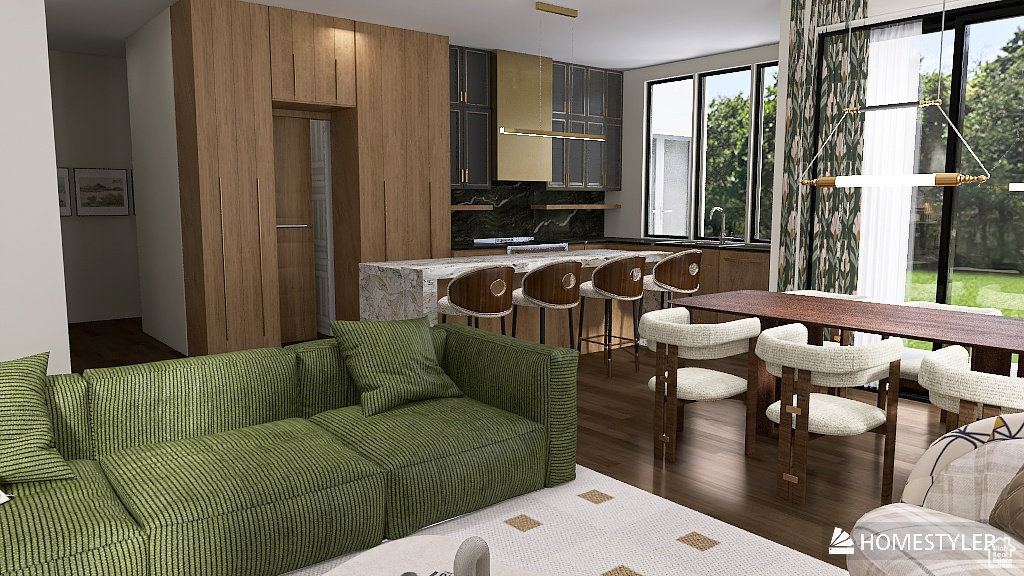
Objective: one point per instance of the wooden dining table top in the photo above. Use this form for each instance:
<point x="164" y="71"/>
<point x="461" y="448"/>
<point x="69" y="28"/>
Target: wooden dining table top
<point x="932" y="325"/>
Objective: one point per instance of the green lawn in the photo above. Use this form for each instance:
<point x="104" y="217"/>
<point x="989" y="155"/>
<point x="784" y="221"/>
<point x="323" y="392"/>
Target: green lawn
<point x="986" y="290"/>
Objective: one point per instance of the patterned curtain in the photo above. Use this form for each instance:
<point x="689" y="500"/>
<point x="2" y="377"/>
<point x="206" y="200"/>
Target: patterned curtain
<point x="835" y="236"/>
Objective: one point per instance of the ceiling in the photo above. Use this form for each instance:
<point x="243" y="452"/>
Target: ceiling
<point x="608" y="33"/>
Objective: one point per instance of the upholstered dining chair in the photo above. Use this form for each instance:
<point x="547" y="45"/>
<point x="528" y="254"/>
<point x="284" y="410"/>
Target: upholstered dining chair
<point x="788" y="356"/>
<point x="479" y="293"/>
<point x="910" y="366"/>
<point x="947" y="375"/>
<point x="554" y="286"/>
<point x="617" y="279"/>
<point x="674" y="340"/>
<point x="677" y="274"/>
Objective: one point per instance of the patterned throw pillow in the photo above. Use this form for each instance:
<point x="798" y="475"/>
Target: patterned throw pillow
<point x="26" y="434"/>
<point x="392" y="362"/>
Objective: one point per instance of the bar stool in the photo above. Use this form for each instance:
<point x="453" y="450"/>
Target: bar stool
<point x="618" y="279"/>
<point x="679" y="273"/>
<point x="479" y="293"/>
<point x="553" y="286"/>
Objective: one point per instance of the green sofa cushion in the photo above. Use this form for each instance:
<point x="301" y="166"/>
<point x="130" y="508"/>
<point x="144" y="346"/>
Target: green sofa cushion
<point x="75" y="526"/>
<point x="444" y="457"/>
<point x="26" y="434"/>
<point x="392" y="362"/>
<point x="67" y="395"/>
<point x="324" y="381"/>
<point x="190" y="397"/>
<point x="259" y="500"/>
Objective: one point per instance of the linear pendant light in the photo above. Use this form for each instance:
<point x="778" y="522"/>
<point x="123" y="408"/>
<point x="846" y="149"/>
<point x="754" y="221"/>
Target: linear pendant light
<point x="550" y="134"/>
<point x="893" y="180"/>
<point x="1017" y="187"/>
<point x="539" y="133"/>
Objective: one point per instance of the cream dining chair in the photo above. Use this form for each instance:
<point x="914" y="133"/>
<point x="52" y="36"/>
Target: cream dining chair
<point x="947" y="374"/>
<point x="788" y="356"/>
<point x="674" y="340"/>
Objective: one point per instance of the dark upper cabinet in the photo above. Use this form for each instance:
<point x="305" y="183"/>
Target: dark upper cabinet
<point x="476" y="73"/>
<point x="594" y="150"/>
<point x="470" y="92"/>
<point x="477" y="148"/>
<point x="577" y="90"/>
<point x="559" y="88"/>
<point x="454" y="78"/>
<point x="558" y="166"/>
<point x="596" y="93"/>
<point x="613" y="96"/>
<point x="575" y="157"/>
<point x="455" y="141"/>
<point x="613" y="156"/>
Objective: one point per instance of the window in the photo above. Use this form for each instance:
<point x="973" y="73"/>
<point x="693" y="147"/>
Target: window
<point x="964" y="243"/>
<point x="731" y="164"/>
<point x="670" y="157"/>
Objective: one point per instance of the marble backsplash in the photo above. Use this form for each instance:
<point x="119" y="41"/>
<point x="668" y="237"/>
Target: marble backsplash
<point x="512" y="215"/>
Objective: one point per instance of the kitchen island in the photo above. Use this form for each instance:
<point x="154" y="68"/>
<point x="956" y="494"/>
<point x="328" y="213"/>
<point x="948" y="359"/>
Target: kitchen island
<point x="409" y="288"/>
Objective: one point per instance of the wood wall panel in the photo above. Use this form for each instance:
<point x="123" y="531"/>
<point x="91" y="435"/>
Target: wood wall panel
<point x="345" y="61"/>
<point x="282" y="71"/>
<point x="298" y="284"/>
<point x="304" y="55"/>
<point x="325" y="85"/>
<point x="438" y="148"/>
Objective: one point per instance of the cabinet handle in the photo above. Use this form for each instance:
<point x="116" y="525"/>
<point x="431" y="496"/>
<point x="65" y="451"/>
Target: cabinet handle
<point x="335" y="79"/>
<point x="293" y="75"/>
<point x="223" y="261"/>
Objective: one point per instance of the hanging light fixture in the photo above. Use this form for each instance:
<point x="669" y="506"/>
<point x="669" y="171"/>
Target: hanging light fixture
<point x="539" y="133"/>
<point x="1016" y="186"/>
<point x="898" y="180"/>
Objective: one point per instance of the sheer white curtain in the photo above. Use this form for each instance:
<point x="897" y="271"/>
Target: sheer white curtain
<point x="890" y="147"/>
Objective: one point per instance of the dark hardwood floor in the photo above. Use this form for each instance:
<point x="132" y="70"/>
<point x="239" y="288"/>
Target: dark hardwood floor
<point x="110" y="343"/>
<point x="711" y="474"/>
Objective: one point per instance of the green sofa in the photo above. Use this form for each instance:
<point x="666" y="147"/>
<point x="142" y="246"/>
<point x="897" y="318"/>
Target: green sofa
<point x="261" y="462"/>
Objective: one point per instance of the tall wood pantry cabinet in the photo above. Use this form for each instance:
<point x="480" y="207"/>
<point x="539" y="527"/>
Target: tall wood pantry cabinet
<point x="221" y="60"/>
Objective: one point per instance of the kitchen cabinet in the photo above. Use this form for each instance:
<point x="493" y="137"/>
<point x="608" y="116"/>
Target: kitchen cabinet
<point x="312" y="58"/>
<point x="471" y="115"/>
<point x="586" y="100"/>
<point x="222" y="93"/>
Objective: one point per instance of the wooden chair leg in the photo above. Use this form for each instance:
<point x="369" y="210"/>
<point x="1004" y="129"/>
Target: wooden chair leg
<point x="785" y="461"/>
<point x="673" y="422"/>
<point x="891" y="415"/>
<point x="636" y="336"/>
<point x="469" y="321"/>
<point x="952" y="422"/>
<point x="749" y="437"/>
<point x="943" y="414"/>
<point x="502" y="325"/>
<point x="661" y="369"/>
<point x="542" y="327"/>
<point x="515" y="318"/>
<point x="477" y="322"/>
<point x="801" y="438"/>
<point x="444" y="318"/>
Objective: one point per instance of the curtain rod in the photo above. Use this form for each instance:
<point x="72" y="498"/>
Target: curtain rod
<point x="899" y="15"/>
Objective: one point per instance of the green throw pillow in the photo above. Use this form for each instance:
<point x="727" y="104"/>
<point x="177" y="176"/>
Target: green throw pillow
<point x="26" y="434"/>
<point x="393" y="362"/>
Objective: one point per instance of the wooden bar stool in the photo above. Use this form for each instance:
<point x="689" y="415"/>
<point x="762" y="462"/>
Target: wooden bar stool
<point x="679" y="274"/>
<point x="555" y="286"/>
<point x="618" y="279"/>
<point x="480" y="293"/>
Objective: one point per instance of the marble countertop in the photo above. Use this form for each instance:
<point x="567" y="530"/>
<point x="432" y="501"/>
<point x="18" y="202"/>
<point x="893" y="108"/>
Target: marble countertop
<point x="708" y="243"/>
<point x="522" y="262"/>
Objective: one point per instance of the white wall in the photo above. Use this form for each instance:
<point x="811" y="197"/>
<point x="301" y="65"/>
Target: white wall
<point x="92" y="130"/>
<point x="33" y="312"/>
<point x="629" y="221"/>
<point x="157" y="207"/>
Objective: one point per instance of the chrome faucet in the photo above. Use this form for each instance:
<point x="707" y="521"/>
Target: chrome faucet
<point x="721" y="236"/>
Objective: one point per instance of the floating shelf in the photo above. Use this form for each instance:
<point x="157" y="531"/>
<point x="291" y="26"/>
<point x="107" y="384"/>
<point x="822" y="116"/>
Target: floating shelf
<point x="471" y="207"/>
<point x="575" y="206"/>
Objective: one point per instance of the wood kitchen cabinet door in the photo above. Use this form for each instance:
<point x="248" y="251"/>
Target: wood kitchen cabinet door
<point x="344" y="73"/>
<point x="312" y="58"/>
<point x="742" y="270"/>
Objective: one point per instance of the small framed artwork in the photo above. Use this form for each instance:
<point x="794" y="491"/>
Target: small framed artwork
<point x="101" y="192"/>
<point x="64" y="191"/>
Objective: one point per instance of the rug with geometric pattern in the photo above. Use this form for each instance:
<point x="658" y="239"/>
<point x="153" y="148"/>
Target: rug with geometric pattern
<point x="598" y="526"/>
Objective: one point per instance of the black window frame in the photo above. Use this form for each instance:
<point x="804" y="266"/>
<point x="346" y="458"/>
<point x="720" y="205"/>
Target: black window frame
<point x="647" y="154"/>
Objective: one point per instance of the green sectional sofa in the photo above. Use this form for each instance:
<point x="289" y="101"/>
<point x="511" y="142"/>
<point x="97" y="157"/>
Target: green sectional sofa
<point x="261" y="462"/>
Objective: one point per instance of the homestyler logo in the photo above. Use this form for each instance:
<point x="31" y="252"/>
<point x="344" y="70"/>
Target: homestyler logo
<point x="841" y="542"/>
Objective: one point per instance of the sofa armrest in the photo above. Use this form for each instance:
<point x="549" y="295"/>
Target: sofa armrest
<point x="534" y="381"/>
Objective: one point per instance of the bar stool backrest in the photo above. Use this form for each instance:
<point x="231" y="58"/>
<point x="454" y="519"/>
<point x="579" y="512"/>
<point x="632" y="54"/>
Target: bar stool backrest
<point x="623" y="277"/>
<point x="484" y="290"/>
<point x="557" y="284"/>
<point x="681" y="272"/>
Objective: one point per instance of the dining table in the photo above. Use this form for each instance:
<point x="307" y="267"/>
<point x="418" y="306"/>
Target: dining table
<point x="992" y="339"/>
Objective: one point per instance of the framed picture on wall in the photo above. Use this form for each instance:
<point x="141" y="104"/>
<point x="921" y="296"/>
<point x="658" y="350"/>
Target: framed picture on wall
<point x="64" y="191"/>
<point x="101" y="192"/>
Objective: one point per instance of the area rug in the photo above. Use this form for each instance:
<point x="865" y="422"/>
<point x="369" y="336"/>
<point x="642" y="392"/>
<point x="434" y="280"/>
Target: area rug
<point x="598" y="526"/>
